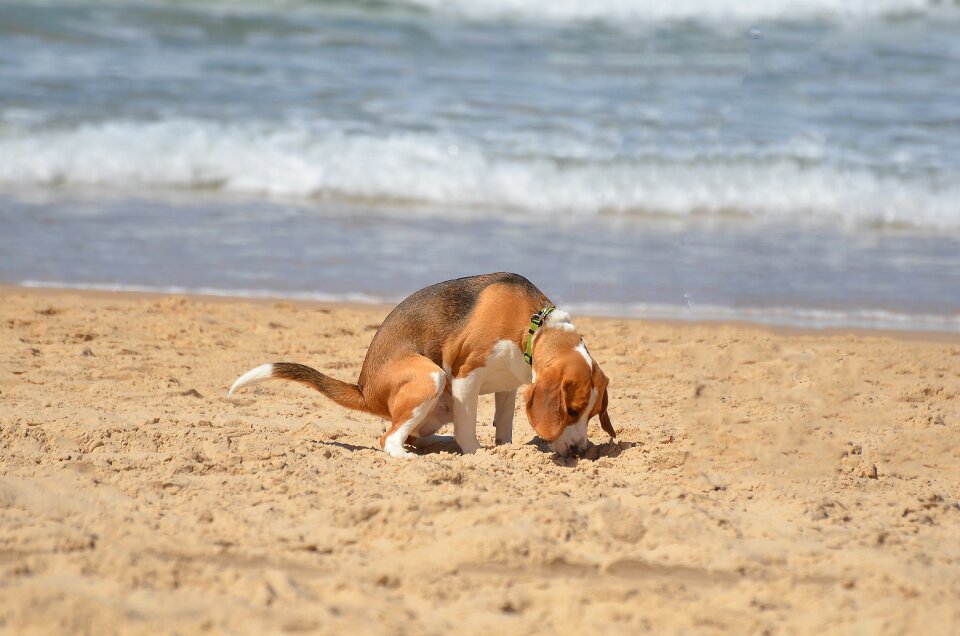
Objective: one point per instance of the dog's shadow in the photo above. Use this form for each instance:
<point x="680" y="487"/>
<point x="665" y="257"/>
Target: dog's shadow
<point x="349" y="447"/>
<point x="434" y="444"/>
<point x="438" y="444"/>
<point x="593" y="452"/>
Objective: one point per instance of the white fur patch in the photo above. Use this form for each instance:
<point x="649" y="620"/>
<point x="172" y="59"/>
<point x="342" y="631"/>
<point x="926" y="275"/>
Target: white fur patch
<point x="253" y="376"/>
<point x="559" y="319"/>
<point x="575" y="435"/>
<point x="465" y="391"/>
<point x="582" y="350"/>
<point x="440" y="380"/>
<point x="504" y="369"/>
<point x="394" y="443"/>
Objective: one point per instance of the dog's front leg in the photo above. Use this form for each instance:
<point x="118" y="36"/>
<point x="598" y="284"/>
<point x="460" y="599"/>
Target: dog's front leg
<point x="466" y="391"/>
<point x="503" y="416"/>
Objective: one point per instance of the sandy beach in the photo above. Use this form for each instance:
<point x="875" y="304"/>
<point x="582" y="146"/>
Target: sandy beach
<point x="765" y="482"/>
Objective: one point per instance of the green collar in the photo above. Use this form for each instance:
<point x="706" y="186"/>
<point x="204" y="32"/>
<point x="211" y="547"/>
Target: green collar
<point x="535" y="321"/>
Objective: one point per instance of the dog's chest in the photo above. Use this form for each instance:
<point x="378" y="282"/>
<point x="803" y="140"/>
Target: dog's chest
<point x="505" y="369"/>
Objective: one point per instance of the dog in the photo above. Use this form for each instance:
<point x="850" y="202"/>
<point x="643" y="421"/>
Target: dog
<point x="449" y="343"/>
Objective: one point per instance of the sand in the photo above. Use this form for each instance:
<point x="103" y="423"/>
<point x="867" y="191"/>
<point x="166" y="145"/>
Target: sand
<point x="778" y="482"/>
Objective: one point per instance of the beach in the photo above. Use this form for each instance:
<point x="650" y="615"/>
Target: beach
<point x="763" y="481"/>
<point x="751" y="209"/>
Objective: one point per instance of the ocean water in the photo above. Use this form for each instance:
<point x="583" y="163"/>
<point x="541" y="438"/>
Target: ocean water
<point x="783" y="161"/>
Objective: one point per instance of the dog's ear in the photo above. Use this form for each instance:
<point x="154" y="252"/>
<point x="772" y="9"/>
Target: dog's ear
<point x="605" y="422"/>
<point x="545" y="405"/>
<point x="600" y="382"/>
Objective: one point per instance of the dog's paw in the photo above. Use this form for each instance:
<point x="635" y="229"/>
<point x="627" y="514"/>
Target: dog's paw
<point x="469" y="448"/>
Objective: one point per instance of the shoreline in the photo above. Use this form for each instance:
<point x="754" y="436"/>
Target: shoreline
<point x="906" y="335"/>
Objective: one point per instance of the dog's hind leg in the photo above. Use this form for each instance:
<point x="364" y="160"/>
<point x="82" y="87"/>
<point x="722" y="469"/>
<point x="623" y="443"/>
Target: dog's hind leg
<point x="421" y="384"/>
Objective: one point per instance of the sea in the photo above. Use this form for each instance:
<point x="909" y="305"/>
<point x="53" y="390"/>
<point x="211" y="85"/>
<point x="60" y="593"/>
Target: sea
<point x="790" y="162"/>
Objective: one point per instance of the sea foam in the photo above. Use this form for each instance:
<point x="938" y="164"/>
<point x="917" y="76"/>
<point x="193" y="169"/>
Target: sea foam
<point x="793" y="183"/>
<point x="688" y="10"/>
<point x="612" y="11"/>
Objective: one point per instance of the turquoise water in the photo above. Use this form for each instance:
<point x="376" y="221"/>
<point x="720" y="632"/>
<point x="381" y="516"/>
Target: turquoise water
<point x="788" y="161"/>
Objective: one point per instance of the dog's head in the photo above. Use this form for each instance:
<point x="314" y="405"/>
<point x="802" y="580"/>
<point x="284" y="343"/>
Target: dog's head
<point x="568" y="390"/>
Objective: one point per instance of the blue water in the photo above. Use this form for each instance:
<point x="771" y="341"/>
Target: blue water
<point x="786" y="161"/>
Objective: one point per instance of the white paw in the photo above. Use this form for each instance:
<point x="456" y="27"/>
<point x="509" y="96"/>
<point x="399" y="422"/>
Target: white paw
<point x="397" y="450"/>
<point x="469" y="448"/>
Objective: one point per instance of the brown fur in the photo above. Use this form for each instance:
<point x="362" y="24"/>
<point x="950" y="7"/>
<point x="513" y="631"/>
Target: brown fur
<point x="343" y="393"/>
<point x="414" y="386"/>
<point x="545" y="407"/>
<point x="563" y="388"/>
<point x="428" y="324"/>
<point x="455" y="325"/>
<point x="488" y="324"/>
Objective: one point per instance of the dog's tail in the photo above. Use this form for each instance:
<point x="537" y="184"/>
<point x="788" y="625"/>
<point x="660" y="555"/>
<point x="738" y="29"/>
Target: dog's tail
<point x="343" y="393"/>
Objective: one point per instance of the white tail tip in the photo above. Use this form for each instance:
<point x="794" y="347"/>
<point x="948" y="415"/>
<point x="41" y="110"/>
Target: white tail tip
<point x="259" y="374"/>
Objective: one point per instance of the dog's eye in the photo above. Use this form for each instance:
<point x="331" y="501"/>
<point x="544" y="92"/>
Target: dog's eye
<point x="572" y="412"/>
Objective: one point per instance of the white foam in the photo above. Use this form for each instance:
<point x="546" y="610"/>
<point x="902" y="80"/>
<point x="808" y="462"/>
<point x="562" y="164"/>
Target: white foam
<point x="795" y="182"/>
<point x="613" y="11"/>
<point x="694" y="10"/>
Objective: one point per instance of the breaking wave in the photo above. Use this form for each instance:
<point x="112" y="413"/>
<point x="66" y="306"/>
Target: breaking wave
<point x="609" y="11"/>
<point x="795" y="183"/>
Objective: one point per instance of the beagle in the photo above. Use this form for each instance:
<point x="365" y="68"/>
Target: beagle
<point x="449" y="343"/>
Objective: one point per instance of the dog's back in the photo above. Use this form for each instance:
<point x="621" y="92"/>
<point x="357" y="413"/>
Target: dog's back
<point x="427" y="319"/>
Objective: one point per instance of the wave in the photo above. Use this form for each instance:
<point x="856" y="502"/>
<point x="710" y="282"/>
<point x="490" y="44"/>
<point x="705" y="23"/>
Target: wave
<point x="786" y="316"/>
<point x="793" y="183"/>
<point x="685" y="10"/>
<point x="614" y="11"/>
<point x="611" y="11"/>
